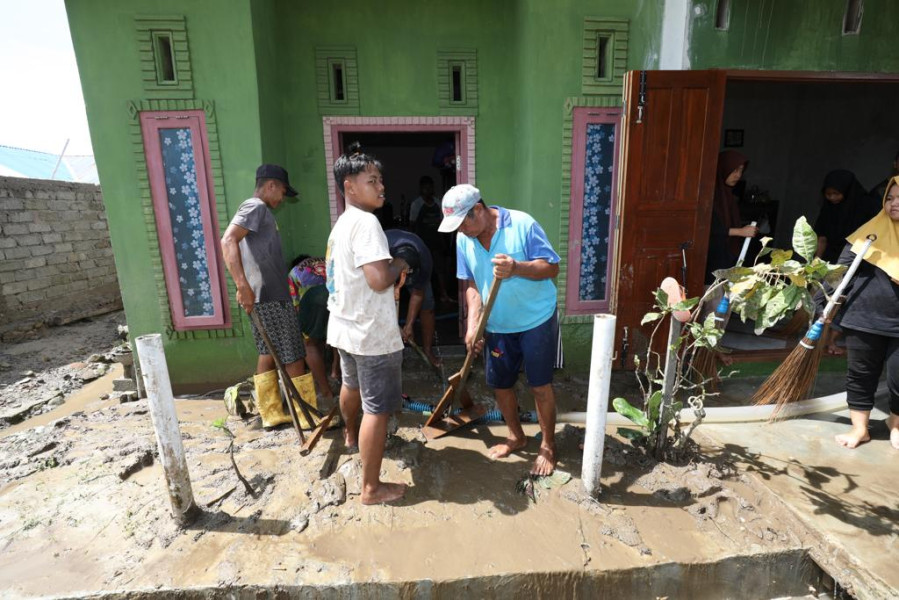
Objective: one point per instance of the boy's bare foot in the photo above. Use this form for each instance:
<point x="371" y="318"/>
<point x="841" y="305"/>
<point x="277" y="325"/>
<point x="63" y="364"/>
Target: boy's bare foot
<point x="853" y="439"/>
<point x="545" y="463"/>
<point x="350" y="440"/>
<point x="385" y="492"/>
<point x="506" y="448"/>
<point x="893" y="426"/>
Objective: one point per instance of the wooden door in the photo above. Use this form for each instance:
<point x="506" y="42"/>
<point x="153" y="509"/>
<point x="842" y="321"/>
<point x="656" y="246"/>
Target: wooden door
<point x="669" y="158"/>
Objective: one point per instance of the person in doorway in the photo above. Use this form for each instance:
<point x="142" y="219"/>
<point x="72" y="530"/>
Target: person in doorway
<point x="412" y="249"/>
<point x="363" y="321"/>
<point x="844" y="207"/>
<point x="727" y="232"/>
<point x="522" y="327"/>
<point x="880" y="189"/>
<point x="306" y="282"/>
<point x="251" y="248"/>
<point x="870" y="321"/>
<point x="425" y="217"/>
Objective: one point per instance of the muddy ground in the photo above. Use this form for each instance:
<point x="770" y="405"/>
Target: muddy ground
<point x="83" y="506"/>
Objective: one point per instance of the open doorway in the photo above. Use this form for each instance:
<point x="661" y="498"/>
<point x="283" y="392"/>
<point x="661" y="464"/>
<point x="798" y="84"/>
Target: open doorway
<point x="794" y="127"/>
<point x="418" y="168"/>
<point x="794" y="133"/>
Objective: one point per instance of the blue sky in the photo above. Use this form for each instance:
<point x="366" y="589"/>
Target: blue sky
<point x="40" y="95"/>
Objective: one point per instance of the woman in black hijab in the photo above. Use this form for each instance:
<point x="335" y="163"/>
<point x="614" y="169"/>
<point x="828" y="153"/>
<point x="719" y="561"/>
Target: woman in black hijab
<point x="845" y="208"/>
<point x="726" y="233"/>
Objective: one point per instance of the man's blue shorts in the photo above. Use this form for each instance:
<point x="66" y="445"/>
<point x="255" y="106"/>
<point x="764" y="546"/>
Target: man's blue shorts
<point x="535" y="348"/>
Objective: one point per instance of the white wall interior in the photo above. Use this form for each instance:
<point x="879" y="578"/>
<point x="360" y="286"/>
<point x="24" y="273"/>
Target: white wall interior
<point x="794" y="133"/>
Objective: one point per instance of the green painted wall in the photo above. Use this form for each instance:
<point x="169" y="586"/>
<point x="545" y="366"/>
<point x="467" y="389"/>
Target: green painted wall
<point x="256" y="60"/>
<point x="529" y="62"/>
<point x="223" y="62"/>
<point x="796" y="35"/>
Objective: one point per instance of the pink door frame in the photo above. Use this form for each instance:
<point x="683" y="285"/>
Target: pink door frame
<point x="463" y="127"/>
<point x="584" y="116"/>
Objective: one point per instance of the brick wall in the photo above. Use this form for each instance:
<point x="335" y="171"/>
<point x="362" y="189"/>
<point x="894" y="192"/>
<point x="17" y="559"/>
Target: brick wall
<point x="56" y="262"/>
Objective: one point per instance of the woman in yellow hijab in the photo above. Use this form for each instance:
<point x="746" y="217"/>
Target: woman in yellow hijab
<point x="870" y="321"/>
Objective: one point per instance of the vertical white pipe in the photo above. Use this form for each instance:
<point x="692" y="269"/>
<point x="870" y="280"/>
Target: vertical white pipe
<point x="155" y="374"/>
<point x="598" y="400"/>
<point x="675" y="43"/>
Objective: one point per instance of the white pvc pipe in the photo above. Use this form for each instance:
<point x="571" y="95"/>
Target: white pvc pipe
<point x="598" y="400"/>
<point x="155" y="374"/>
<point x="745" y="248"/>
<point x="735" y="414"/>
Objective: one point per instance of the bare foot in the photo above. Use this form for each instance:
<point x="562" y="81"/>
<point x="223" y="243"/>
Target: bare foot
<point x="432" y="358"/>
<point x="545" y="463"/>
<point x="834" y="350"/>
<point x="385" y="492"/>
<point x="853" y="439"/>
<point x="893" y="426"/>
<point x="506" y="448"/>
<point x="351" y="441"/>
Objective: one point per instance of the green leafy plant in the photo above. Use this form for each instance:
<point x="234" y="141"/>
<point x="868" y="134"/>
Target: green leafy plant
<point x="660" y="389"/>
<point x="766" y="293"/>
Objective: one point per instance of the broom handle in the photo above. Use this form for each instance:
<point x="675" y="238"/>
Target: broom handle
<point x="745" y="248"/>
<point x="825" y="317"/>
<point x="724" y="304"/>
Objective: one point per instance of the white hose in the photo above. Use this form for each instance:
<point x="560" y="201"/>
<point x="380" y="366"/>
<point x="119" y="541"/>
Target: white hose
<point x="737" y="414"/>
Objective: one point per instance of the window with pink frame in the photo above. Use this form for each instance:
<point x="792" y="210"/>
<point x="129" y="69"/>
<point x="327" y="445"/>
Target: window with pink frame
<point x="177" y="154"/>
<point x="591" y="227"/>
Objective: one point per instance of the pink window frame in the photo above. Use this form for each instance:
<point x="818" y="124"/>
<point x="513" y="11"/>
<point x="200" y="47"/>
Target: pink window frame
<point x="583" y="116"/>
<point x="334" y="127"/>
<point x="151" y="123"/>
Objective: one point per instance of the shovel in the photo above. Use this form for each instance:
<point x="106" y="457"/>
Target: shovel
<point x="438" y="425"/>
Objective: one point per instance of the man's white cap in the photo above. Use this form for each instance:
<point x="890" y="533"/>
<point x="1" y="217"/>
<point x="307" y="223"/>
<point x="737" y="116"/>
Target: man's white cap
<point x="457" y="201"/>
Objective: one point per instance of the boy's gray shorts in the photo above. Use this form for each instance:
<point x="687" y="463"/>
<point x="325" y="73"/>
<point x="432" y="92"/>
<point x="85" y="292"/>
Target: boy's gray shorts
<point x="378" y="379"/>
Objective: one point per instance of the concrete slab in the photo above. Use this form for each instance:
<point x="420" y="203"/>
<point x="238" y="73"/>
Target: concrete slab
<point x="851" y="497"/>
<point x="91" y="524"/>
<point x="82" y="514"/>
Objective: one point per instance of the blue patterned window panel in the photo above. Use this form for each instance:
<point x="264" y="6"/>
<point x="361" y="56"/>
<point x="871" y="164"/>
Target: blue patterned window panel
<point x="598" y="164"/>
<point x="187" y="224"/>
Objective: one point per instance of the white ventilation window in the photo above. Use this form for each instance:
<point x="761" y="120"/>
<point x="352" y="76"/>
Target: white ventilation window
<point x="165" y="58"/>
<point x="722" y="15"/>
<point x="338" y="81"/>
<point x="602" y="57"/>
<point x="852" y="22"/>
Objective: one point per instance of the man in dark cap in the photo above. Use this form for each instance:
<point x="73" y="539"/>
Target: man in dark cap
<point x="251" y="248"/>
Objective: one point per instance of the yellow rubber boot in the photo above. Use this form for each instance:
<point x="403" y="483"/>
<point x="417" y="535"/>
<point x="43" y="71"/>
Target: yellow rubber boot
<point x="306" y="387"/>
<point x="268" y="399"/>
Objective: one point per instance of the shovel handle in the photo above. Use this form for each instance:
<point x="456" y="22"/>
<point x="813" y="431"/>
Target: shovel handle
<point x="482" y="326"/>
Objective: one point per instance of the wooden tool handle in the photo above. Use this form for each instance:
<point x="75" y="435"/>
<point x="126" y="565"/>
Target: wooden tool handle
<point x="482" y="325"/>
<point x="271" y="350"/>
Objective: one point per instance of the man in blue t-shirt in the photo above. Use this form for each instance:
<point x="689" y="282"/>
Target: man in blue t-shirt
<point x="522" y="327"/>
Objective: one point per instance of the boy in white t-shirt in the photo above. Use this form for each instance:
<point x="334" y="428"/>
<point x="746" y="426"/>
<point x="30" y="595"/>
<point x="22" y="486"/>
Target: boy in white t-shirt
<point x="363" y="320"/>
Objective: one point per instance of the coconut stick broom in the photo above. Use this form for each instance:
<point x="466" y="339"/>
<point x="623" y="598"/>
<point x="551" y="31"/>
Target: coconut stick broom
<point x="793" y="379"/>
<point x="705" y="360"/>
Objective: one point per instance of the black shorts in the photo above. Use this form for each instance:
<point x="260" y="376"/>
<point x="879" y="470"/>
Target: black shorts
<point x="314" y="313"/>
